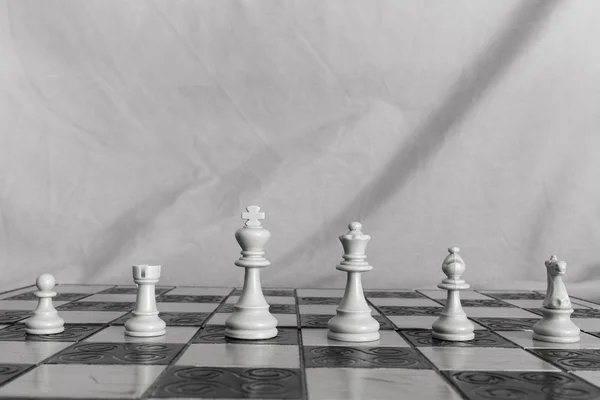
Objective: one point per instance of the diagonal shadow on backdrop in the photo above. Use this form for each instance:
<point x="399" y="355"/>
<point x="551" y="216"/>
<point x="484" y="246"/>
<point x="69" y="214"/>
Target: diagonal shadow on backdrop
<point x="428" y="138"/>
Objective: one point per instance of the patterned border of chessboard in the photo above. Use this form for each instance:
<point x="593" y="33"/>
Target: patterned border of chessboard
<point x="93" y="358"/>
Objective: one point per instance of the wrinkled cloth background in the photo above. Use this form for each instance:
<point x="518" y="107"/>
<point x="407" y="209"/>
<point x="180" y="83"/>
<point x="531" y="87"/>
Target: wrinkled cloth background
<point x="137" y="131"/>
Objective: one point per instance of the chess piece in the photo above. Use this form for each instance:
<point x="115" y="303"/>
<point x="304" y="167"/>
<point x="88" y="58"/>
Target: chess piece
<point x="251" y="319"/>
<point x="353" y="321"/>
<point x="453" y="325"/>
<point x="145" y="321"/>
<point x="45" y="319"/>
<point x="556" y="325"/>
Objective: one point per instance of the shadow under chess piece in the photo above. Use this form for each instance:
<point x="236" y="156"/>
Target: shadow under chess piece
<point x="145" y="321"/>
<point x="45" y="319"/>
<point x="453" y="324"/>
<point x="353" y="321"/>
<point x="251" y="319"/>
<point x="556" y="325"/>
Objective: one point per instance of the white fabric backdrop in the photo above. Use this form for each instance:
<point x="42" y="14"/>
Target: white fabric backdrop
<point x="136" y="131"/>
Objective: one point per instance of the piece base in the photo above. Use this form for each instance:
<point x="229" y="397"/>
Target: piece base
<point x="556" y="339"/>
<point x="245" y="334"/>
<point x="146" y="334"/>
<point x="454" y="337"/>
<point x="51" y="331"/>
<point x="353" y="337"/>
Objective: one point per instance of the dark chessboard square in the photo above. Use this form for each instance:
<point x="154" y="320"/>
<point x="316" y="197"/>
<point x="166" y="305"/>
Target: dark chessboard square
<point x="117" y="353"/>
<point x="216" y="334"/>
<point x="395" y="295"/>
<point x="269" y="292"/>
<point x="515" y="296"/>
<point x="9" y="371"/>
<point x="132" y="290"/>
<point x="98" y="306"/>
<point x="10" y="316"/>
<point x="273" y="308"/>
<point x="72" y="333"/>
<point x="571" y="360"/>
<point x="585" y="313"/>
<point x="424" y="338"/>
<point x="507" y="324"/>
<point x="230" y="383"/>
<point x="320" y="321"/>
<point x="58" y="297"/>
<point x="364" y="357"/>
<point x="480" y="303"/>
<point x="319" y="300"/>
<point x="173" y="318"/>
<point x="416" y="311"/>
<point x="175" y="298"/>
<point x="522" y="385"/>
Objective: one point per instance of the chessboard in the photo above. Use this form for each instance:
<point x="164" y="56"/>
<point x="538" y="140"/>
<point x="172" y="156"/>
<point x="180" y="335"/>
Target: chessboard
<point x="93" y="358"/>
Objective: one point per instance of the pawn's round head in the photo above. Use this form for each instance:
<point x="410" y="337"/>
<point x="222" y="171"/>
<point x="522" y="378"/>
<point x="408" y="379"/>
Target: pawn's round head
<point x="45" y="282"/>
<point x="355" y="226"/>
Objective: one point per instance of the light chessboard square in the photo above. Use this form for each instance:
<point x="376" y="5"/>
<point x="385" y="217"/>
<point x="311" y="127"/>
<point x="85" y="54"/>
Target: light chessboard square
<point x="116" y="334"/>
<point x="318" y="337"/>
<point x="367" y="383"/>
<point x="84" y="381"/>
<point x="240" y="355"/>
<point x="29" y="352"/>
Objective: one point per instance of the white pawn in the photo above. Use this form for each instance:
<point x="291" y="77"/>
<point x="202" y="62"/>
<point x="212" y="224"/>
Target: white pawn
<point x="145" y="321"/>
<point x="353" y="321"/>
<point x="453" y="325"/>
<point x="45" y="319"/>
<point x="251" y="319"/>
<point x="556" y="325"/>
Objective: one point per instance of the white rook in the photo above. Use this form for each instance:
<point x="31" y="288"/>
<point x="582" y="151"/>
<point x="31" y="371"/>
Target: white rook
<point x="145" y="321"/>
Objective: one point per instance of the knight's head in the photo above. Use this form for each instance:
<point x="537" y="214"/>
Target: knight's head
<point x="556" y="267"/>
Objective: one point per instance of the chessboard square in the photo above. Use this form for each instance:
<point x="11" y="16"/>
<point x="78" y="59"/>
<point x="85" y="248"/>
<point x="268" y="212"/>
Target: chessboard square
<point x="321" y="320"/>
<point x="424" y="338"/>
<point x="412" y="321"/>
<point x="408" y="311"/>
<point x="10" y="316"/>
<point x="9" y="371"/>
<point x="484" y="359"/>
<point x="585" y="303"/>
<point x="481" y="303"/>
<point x="319" y="300"/>
<point x="363" y="357"/>
<point x="240" y="355"/>
<point x="439" y="294"/>
<point x="328" y="309"/>
<point x="97" y="306"/>
<point x="269" y="299"/>
<point x="587" y="324"/>
<point x="29" y="352"/>
<point x="117" y="353"/>
<point x="83" y="381"/>
<point x="525" y="339"/>
<point x="522" y="385"/>
<point x="200" y="291"/>
<point x="497" y="312"/>
<point x="87" y="317"/>
<point x="229" y="383"/>
<point x="571" y="360"/>
<point x="339" y="293"/>
<point x="283" y="320"/>
<point x="72" y="333"/>
<point x="103" y="297"/>
<point x="398" y="294"/>
<point x="12" y="293"/>
<point x="515" y="295"/>
<point x="172" y="318"/>
<point x="216" y="334"/>
<point x="410" y="302"/>
<point x="318" y="337"/>
<point x="507" y="324"/>
<point x="377" y="384"/>
<point x="88" y="289"/>
<point x="59" y="297"/>
<point x="25" y="305"/>
<point x="187" y="307"/>
<point x="590" y="376"/>
<point x="132" y="289"/>
<point x="179" y="298"/>
<point x="269" y="292"/>
<point x="116" y="334"/>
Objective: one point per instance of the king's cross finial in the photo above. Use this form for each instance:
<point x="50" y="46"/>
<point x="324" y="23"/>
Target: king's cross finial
<point x="252" y="216"/>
